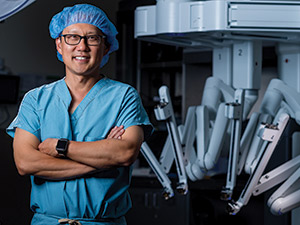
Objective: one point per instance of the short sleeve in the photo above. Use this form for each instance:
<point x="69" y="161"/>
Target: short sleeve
<point x="132" y="113"/>
<point x="27" y="118"/>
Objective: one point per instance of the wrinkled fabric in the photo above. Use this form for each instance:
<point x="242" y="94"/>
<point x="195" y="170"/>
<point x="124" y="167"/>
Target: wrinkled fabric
<point x="85" y="13"/>
<point x="40" y="219"/>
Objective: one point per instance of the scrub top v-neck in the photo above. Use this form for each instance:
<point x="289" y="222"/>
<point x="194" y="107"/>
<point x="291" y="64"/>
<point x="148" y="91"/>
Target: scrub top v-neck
<point x="86" y="100"/>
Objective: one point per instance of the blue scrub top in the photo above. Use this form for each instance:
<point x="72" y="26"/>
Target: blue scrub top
<point x="44" y="113"/>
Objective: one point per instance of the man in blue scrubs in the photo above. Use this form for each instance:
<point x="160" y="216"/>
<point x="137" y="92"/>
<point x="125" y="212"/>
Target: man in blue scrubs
<point x="79" y="136"/>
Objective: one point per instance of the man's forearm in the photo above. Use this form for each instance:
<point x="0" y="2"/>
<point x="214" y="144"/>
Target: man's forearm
<point x="108" y="152"/>
<point x="30" y="161"/>
<point x="105" y="153"/>
<point x="102" y="154"/>
<point x="57" y="169"/>
<point x="49" y="167"/>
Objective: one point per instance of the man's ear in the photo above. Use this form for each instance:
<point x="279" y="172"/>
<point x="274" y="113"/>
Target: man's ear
<point x="58" y="44"/>
<point x="106" y="50"/>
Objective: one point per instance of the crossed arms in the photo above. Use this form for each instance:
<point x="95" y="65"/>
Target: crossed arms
<point x="120" y="148"/>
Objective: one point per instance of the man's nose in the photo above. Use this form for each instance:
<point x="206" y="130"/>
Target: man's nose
<point x="83" y="43"/>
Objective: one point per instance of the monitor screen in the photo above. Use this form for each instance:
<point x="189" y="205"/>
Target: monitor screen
<point x="9" y="89"/>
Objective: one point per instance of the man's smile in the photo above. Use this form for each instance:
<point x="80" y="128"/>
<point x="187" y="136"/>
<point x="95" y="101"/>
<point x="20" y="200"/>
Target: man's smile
<point x="81" y="58"/>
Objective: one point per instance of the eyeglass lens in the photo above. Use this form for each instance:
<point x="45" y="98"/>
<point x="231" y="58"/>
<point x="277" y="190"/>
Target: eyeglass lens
<point x="74" y="39"/>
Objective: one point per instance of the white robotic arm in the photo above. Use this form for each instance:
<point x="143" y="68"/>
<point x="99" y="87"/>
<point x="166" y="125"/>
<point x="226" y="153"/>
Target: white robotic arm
<point x="9" y="8"/>
<point x="278" y="95"/>
<point x="212" y="110"/>
<point x="212" y="121"/>
<point x="208" y="123"/>
<point x="179" y="146"/>
<point x="158" y="170"/>
<point x="280" y="100"/>
<point x="234" y="112"/>
<point x="287" y="196"/>
<point x="172" y="149"/>
<point x="164" y="111"/>
<point x="271" y="134"/>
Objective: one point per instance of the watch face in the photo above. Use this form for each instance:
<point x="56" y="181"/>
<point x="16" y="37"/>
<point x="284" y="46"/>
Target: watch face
<point x="61" y="145"/>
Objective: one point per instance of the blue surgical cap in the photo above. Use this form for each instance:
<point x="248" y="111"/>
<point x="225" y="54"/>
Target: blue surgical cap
<point x="85" y="13"/>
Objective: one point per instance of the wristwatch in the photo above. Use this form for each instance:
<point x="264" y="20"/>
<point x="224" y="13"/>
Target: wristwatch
<point x="62" y="146"/>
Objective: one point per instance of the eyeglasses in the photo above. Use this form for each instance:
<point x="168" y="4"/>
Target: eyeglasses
<point x="91" y="40"/>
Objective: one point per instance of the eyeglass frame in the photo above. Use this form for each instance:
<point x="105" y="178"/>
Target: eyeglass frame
<point x="83" y="37"/>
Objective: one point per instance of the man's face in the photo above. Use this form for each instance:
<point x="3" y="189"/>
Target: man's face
<point x="81" y="59"/>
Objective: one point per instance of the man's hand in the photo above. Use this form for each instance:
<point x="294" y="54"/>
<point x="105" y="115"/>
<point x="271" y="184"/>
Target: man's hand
<point x="116" y="132"/>
<point x="49" y="145"/>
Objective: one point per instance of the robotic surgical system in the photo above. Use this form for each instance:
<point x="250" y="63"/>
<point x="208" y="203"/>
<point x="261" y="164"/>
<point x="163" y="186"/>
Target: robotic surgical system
<point x="236" y="32"/>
